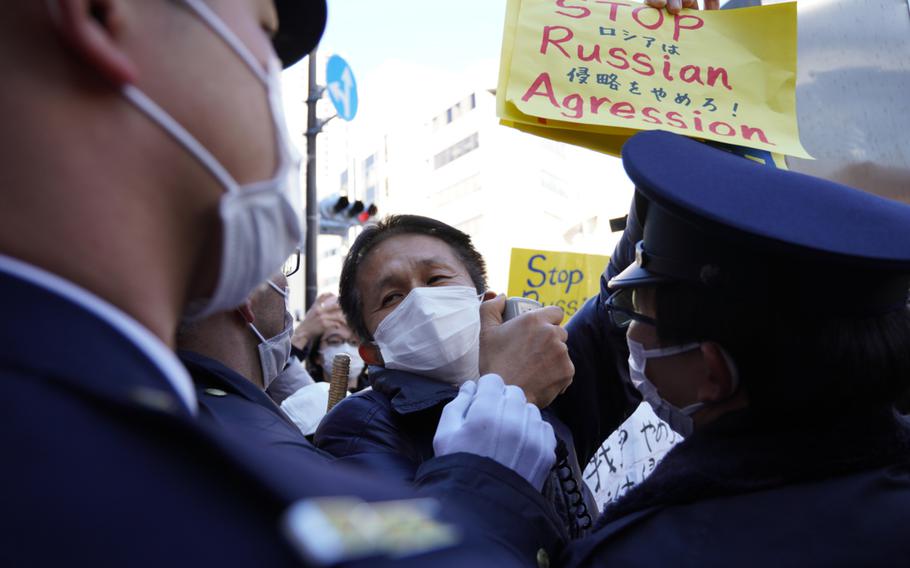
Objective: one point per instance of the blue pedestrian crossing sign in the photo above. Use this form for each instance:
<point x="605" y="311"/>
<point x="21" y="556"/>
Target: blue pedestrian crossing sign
<point x="341" y="86"/>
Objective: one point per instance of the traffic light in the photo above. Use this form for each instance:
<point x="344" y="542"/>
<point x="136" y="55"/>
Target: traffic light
<point x="368" y="213"/>
<point x="337" y="214"/>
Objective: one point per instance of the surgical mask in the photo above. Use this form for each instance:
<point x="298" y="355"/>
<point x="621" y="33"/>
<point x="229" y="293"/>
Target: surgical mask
<point x="328" y="357"/>
<point x="434" y="332"/>
<point x="274" y="351"/>
<point x="260" y="227"/>
<point x="679" y="419"/>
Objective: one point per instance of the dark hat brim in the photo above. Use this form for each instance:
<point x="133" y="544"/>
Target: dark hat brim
<point x="717" y="220"/>
<point x="300" y="27"/>
<point x="765" y="209"/>
<point x="635" y="276"/>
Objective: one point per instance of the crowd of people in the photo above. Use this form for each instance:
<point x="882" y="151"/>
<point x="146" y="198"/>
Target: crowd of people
<point x="161" y="408"/>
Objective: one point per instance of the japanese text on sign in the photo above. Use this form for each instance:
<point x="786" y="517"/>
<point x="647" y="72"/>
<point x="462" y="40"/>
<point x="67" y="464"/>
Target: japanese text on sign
<point x="726" y="75"/>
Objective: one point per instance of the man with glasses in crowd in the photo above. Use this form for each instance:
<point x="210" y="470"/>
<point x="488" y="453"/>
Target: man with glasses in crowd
<point x="234" y="357"/>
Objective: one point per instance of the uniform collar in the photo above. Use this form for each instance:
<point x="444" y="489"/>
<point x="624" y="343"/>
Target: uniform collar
<point x="52" y="335"/>
<point x="410" y="392"/>
<point x="210" y="373"/>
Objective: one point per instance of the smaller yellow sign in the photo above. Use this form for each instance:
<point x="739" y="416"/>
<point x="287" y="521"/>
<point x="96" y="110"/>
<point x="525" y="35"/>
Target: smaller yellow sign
<point x="564" y="279"/>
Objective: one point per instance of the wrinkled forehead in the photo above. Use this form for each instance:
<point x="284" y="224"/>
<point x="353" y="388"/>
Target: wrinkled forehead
<point x="407" y="255"/>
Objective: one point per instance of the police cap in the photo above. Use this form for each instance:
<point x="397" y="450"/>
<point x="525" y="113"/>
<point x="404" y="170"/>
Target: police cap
<point x="300" y="26"/>
<point x="716" y="219"/>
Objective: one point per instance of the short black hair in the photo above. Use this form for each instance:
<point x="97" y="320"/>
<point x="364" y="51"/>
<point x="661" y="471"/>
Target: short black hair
<point x="799" y="364"/>
<point x="391" y="226"/>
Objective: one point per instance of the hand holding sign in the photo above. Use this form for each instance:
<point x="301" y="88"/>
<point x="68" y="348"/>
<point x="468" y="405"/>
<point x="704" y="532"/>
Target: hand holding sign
<point x="674" y="6"/>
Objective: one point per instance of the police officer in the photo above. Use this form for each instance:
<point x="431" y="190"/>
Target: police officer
<point x="234" y="356"/>
<point x="767" y="321"/>
<point x="144" y="169"/>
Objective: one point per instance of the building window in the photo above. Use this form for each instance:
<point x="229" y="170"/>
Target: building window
<point x="343" y="184"/>
<point x="456" y="151"/>
<point x="369" y="171"/>
<point x="454" y="112"/>
<point x="554" y="184"/>
<point x="456" y="192"/>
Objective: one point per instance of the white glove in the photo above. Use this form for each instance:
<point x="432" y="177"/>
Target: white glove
<point x="493" y="420"/>
<point x="307" y="407"/>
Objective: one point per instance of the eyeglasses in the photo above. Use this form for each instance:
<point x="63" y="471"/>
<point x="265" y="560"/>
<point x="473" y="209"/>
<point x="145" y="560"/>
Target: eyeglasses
<point x="292" y="264"/>
<point x="622" y="310"/>
<point x="335" y="341"/>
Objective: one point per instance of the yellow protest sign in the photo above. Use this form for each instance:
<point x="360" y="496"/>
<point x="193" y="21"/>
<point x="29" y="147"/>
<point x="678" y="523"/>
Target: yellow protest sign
<point x="564" y="279"/>
<point x="612" y="68"/>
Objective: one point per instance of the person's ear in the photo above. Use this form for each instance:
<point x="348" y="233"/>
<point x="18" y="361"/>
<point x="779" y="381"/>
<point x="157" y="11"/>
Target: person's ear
<point x="370" y="353"/>
<point x="718" y="383"/>
<point x="246" y="310"/>
<point x="92" y="29"/>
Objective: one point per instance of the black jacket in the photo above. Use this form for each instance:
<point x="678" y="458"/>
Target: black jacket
<point x="232" y="403"/>
<point x="104" y="466"/>
<point x="748" y="492"/>
<point x="390" y="429"/>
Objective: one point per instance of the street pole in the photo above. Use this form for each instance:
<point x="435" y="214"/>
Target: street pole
<point x="312" y="219"/>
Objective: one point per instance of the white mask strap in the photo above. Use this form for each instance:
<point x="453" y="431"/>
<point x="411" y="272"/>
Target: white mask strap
<point x="275" y="287"/>
<point x="669" y="351"/>
<point x="256" y="331"/>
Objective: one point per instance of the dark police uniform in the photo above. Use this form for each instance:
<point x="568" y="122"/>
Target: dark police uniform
<point x="390" y="429"/>
<point x="106" y="466"/>
<point x="749" y="490"/>
<point x="232" y="403"/>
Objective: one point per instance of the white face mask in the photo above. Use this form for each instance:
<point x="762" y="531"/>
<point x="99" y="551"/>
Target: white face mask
<point x="434" y="332"/>
<point x="260" y="227"/>
<point x="328" y="357"/>
<point x="274" y="351"/>
<point x="679" y="419"/>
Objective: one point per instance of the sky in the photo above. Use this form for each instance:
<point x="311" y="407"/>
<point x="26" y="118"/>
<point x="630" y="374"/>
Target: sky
<point x="448" y="35"/>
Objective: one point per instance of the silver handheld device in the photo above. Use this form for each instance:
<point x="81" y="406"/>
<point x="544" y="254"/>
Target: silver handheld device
<point x="517" y="306"/>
